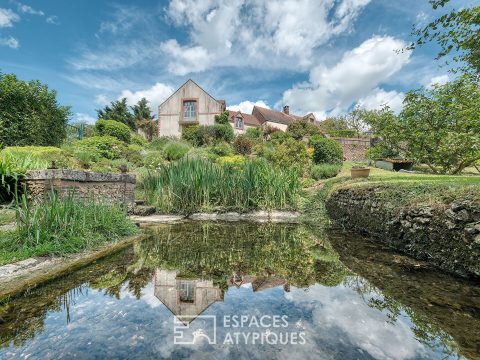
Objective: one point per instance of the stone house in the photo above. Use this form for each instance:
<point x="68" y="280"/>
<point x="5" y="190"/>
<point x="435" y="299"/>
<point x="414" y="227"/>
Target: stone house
<point x="192" y="105"/>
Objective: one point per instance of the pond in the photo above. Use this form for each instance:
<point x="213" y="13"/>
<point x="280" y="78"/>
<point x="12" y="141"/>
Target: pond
<point x="243" y="290"/>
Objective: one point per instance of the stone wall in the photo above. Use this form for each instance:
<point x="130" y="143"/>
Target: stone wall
<point x="354" y="149"/>
<point x="446" y="235"/>
<point x="114" y="188"/>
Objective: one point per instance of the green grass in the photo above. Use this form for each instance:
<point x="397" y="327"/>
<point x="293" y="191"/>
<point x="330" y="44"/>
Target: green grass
<point x="60" y="227"/>
<point x="6" y="216"/>
<point x="194" y="184"/>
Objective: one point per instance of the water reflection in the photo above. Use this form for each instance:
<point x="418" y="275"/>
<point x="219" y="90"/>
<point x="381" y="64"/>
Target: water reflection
<point x="352" y="301"/>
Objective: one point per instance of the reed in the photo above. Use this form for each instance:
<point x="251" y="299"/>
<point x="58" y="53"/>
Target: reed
<point x="194" y="184"/>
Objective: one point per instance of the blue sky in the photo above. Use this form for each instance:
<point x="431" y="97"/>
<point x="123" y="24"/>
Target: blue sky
<point x="322" y="56"/>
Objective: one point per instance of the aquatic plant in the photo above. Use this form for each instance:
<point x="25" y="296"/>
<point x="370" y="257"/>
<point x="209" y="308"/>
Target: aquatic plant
<point x="194" y="184"/>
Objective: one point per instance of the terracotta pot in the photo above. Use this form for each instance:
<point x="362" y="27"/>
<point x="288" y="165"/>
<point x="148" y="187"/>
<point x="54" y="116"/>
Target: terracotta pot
<point x="360" y="173"/>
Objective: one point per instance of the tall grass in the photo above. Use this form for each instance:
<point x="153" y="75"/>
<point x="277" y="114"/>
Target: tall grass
<point x="61" y="226"/>
<point x="194" y="184"/>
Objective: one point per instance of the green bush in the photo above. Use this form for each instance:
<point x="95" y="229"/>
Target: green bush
<point x="280" y="136"/>
<point x="301" y="128"/>
<point x="154" y="159"/>
<point x="113" y="128"/>
<point x="107" y="147"/>
<point x="254" y="133"/>
<point x="343" y="133"/>
<point x="190" y="134"/>
<point x="191" y="185"/>
<point x="139" y="140"/>
<point x="30" y="114"/>
<point x="221" y="149"/>
<point x="207" y="135"/>
<point x="291" y="154"/>
<point x="324" y="171"/>
<point x="243" y="145"/>
<point x="326" y="150"/>
<point x="159" y="143"/>
<point x="381" y="151"/>
<point x="86" y="158"/>
<point x="175" y="150"/>
<point x="133" y="154"/>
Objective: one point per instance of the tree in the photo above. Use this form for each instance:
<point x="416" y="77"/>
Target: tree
<point x="30" y="113"/>
<point x="333" y="124"/>
<point x="456" y="32"/>
<point x="355" y="120"/>
<point x="118" y="111"/>
<point x="439" y="127"/>
<point x="144" y="118"/>
<point x="222" y="118"/>
<point x="301" y="128"/>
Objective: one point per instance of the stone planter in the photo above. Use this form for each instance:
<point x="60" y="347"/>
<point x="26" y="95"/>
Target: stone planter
<point x="359" y="173"/>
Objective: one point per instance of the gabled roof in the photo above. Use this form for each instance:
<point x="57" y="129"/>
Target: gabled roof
<point x="185" y="83"/>
<point x="247" y="118"/>
<point x="274" y="116"/>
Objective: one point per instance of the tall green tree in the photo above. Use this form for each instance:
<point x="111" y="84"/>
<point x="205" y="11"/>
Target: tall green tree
<point x="118" y="111"/>
<point x="438" y="126"/>
<point x="30" y="113"/>
<point x="144" y="118"/>
<point x="457" y="32"/>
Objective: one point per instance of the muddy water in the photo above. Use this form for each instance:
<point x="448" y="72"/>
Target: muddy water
<point x="266" y="291"/>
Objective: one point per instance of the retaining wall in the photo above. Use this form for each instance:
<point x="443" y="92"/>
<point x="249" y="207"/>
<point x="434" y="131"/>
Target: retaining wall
<point x="114" y="188"/>
<point x="446" y="235"/>
<point x="354" y="149"/>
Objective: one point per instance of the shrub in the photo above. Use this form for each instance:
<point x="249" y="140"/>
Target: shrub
<point x="86" y="158"/>
<point x="175" y="150"/>
<point x="44" y="154"/>
<point x="191" y="185"/>
<point x="139" y="140"/>
<point x="206" y="135"/>
<point x="243" y="145"/>
<point x="326" y="150"/>
<point x="221" y="149"/>
<point x="133" y="154"/>
<point x="254" y="133"/>
<point x="280" y="136"/>
<point x="223" y="132"/>
<point x="234" y="160"/>
<point x="301" y="128"/>
<point x="324" y="171"/>
<point x="30" y="114"/>
<point x="102" y="146"/>
<point x="159" y="143"/>
<point x="154" y="159"/>
<point x="381" y="151"/>
<point x="113" y="128"/>
<point x="190" y="134"/>
<point x="222" y="118"/>
<point x="291" y="154"/>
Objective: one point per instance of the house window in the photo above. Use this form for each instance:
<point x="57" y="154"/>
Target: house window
<point x="187" y="291"/>
<point x="238" y="123"/>
<point x="190" y="110"/>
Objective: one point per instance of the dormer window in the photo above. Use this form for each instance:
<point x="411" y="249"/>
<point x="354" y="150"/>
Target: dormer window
<point x="238" y="123"/>
<point x="190" y="110"/>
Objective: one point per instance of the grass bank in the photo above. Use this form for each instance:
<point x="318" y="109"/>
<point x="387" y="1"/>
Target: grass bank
<point x="62" y="226"/>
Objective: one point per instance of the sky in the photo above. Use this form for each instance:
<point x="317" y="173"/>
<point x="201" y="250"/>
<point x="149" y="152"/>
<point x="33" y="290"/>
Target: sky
<point x="320" y="56"/>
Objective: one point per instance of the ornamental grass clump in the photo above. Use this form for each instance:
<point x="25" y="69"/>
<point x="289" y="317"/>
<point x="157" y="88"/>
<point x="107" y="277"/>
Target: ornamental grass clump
<point x="60" y="226"/>
<point x="195" y="184"/>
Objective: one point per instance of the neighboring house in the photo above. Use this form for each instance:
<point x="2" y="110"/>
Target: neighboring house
<point x="191" y="105"/>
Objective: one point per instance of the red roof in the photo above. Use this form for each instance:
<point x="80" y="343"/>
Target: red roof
<point x="274" y="116"/>
<point x="247" y="118"/>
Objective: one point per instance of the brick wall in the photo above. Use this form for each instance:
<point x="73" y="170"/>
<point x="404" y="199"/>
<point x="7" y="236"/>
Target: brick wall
<point x="114" y="188"/>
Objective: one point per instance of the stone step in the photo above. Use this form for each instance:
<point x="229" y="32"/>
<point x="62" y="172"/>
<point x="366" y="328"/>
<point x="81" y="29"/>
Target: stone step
<point x="144" y="210"/>
<point x="139" y="202"/>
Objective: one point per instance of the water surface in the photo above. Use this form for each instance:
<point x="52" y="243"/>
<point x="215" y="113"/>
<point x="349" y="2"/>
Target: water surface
<point x="266" y="291"/>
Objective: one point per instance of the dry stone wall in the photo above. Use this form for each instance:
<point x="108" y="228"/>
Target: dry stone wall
<point x="113" y="188"/>
<point x="446" y="235"/>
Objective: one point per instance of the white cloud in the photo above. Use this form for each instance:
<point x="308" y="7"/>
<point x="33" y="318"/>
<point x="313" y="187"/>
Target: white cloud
<point x="52" y="20"/>
<point x="8" y="17"/>
<point x="246" y="107"/>
<point x="186" y="59"/>
<point x="84" y="118"/>
<point x="379" y="97"/>
<point x="10" y="42"/>
<point x="101" y="99"/>
<point x="155" y="95"/>
<point x="236" y="32"/>
<point x="438" y="80"/>
<point x="334" y="89"/>
<point x="25" y="9"/>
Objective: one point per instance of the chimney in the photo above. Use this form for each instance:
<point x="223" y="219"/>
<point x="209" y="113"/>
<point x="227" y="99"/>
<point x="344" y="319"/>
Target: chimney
<point x="286" y="109"/>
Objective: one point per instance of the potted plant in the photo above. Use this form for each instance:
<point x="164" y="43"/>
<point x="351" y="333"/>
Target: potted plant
<point x="359" y="171"/>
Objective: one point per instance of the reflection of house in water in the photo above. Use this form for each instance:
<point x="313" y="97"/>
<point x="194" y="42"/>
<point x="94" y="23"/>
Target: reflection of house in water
<point x="185" y="297"/>
<point x="190" y="297"/>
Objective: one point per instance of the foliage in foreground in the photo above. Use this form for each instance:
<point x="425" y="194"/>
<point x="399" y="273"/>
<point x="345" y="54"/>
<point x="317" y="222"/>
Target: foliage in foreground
<point x="194" y="184"/>
<point x="30" y="113"/>
<point x="324" y="171"/>
<point x="326" y="150"/>
<point x="62" y="226"/>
